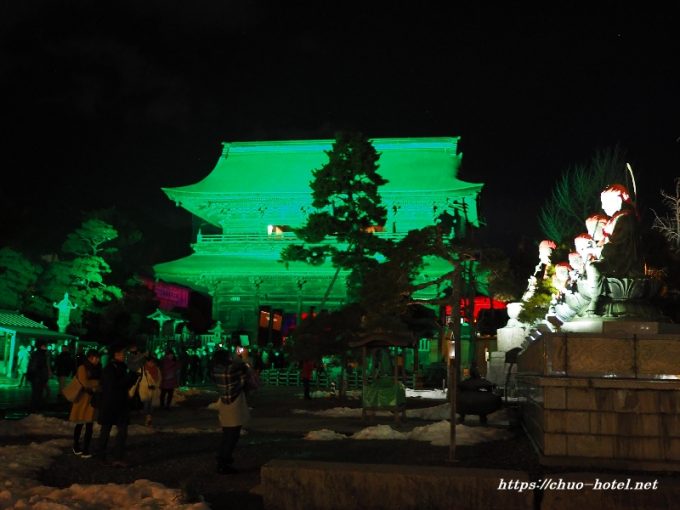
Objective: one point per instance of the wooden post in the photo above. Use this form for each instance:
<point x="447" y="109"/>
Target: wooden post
<point x="453" y="362"/>
<point x="363" y="381"/>
<point x="416" y="365"/>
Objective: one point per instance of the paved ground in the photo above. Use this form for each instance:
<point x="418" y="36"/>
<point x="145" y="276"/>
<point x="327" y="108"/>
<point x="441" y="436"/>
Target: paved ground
<point x="187" y="460"/>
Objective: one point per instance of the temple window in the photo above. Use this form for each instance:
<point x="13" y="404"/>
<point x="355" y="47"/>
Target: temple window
<point x="278" y="230"/>
<point x="374" y="228"/>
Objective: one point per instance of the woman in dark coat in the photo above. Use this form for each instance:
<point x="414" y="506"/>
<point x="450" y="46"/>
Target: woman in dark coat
<point x="115" y="407"/>
<point x="38" y="374"/>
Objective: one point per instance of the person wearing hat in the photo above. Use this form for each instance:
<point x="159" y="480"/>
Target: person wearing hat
<point x="115" y="409"/>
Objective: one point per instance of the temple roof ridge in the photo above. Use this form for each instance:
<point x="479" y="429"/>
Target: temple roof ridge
<point x="248" y="174"/>
<point x="449" y="142"/>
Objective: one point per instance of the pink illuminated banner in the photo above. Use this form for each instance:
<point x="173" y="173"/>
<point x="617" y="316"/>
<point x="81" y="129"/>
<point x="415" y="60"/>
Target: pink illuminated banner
<point x="170" y="296"/>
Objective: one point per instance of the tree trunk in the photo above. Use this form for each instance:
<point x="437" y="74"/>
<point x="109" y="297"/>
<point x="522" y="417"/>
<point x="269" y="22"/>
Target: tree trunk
<point x="328" y="290"/>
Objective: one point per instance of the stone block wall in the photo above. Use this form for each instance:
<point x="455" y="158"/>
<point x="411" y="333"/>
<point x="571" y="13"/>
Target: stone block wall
<point x="305" y="485"/>
<point x="603" y="420"/>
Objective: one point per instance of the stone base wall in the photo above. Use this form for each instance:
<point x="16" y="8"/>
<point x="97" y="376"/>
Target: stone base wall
<point x="305" y="485"/>
<point x="608" y="397"/>
<point x="604" y="421"/>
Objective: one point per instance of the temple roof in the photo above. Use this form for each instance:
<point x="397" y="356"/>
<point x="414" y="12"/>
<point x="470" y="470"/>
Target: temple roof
<point x="198" y="267"/>
<point x="11" y="321"/>
<point x="411" y="166"/>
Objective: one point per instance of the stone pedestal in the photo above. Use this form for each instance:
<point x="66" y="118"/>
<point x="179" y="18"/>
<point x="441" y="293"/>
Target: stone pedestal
<point x="495" y="371"/>
<point x="605" y="398"/>
<point x="508" y="338"/>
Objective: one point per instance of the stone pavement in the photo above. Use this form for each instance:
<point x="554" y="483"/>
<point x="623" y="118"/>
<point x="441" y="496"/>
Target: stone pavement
<point x="277" y="469"/>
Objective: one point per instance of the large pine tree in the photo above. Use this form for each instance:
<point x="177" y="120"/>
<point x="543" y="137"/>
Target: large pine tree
<point x="348" y="208"/>
<point x="83" y="272"/>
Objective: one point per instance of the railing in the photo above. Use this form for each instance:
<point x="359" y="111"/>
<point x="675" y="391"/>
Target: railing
<point x="245" y="237"/>
<point x="286" y="377"/>
<point x="264" y="238"/>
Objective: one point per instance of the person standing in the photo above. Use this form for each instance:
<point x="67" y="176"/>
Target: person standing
<point x="82" y="413"/>
<point x="115" y="408"/>
<point x="230" y="375"/>
<point x="38" y="373"/>
<point x="170" y="373"/>
<point x="65" y="367"/>
<point x="306" y="375"/>
<point x="22" y="365"/>
<point x="81" y="356"/>
<point x="134" y="358"/>
<point x="148" y="387"/>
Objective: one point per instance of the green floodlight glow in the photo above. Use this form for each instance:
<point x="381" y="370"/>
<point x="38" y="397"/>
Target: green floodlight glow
<point x="259" y="191"/>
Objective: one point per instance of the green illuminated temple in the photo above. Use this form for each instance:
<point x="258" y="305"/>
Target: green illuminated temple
<point x="259" y="191"/>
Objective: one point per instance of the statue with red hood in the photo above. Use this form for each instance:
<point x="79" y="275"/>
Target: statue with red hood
<point x="613" y="283"/>
<point x="619" y="255"/>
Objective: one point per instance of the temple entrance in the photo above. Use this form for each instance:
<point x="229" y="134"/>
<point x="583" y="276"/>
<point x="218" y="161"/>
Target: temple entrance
<point x="5" y="353"/>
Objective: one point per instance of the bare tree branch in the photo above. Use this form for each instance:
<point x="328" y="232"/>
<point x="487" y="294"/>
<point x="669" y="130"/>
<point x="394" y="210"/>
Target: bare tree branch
<point x="669" y="225"/>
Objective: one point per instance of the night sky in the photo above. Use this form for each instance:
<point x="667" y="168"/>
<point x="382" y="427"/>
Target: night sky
<point x="104" y="103"/>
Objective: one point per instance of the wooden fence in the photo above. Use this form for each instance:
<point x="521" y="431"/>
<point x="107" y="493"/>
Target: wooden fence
<point x="285" y="377"/>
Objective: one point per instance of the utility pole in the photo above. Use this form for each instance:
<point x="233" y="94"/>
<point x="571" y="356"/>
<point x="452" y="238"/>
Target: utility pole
<point x="453" y="358"/>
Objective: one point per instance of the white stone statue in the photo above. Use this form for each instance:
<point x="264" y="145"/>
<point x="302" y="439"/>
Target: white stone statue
<point x="64" y="306"/>
<point x="514" y="309"/>
<point x="545" y="250"/>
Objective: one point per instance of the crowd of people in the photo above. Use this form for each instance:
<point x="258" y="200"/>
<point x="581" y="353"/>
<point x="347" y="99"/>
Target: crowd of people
<point x="121" y="379"/>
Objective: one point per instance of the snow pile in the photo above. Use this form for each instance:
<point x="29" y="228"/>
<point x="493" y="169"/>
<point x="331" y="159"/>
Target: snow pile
<point x="379" y="432"/>
<point x="19" y="489"/>
<point x="438" y="434"/>
<point x="324" y="435"/>
<point x="435" y="413"/>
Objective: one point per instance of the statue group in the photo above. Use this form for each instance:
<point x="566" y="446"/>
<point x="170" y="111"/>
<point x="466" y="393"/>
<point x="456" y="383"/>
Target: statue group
<point x="604" y="276"/>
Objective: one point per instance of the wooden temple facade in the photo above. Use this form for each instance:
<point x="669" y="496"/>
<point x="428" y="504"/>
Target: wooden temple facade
<point x="258" y="191"/>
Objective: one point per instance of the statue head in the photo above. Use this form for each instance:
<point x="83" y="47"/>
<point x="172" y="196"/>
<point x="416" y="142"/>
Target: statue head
<point x="583" y="243"/>
<point x="613" y="197"/>
<point x="576" y="261"/>
<point x="545" y="249"/>
<point x="595" y="225"/>
<point x="561" y="275"/>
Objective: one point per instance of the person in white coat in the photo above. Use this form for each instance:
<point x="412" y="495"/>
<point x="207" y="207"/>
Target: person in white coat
<point x="149" y="384"/>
